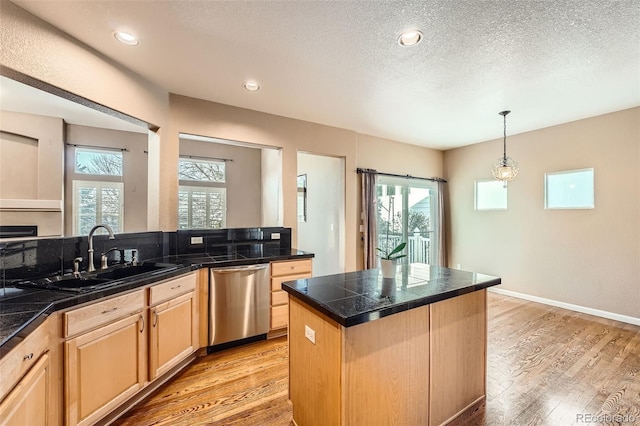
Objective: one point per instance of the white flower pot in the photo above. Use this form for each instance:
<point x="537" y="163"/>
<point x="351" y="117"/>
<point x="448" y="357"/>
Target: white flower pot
<point x="388" y="268"/>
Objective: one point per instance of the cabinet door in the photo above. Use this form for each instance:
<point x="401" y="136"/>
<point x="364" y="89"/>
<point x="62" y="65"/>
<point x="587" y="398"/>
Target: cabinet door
<point x="28" y="403"/>
<point x="103" y="368"/>
<point x="173" y="333"/>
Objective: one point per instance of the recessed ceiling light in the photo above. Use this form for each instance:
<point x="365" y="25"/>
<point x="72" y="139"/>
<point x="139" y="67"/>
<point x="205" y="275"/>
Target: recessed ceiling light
<point x="126" y="38"/>
<point x="410" y="38"/>
<point x="251" y="86"/>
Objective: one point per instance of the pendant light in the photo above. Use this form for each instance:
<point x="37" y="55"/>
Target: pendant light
<point x="505" y="169"/>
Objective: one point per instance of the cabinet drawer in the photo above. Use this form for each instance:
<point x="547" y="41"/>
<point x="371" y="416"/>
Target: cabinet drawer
<point x="103" y="312"/>
<point x="172" y="288"/>
<point x="279" y="298"/>
<point x="279" y="316"/>
<point x="21" y="358"/>
<point x="276" y="283"/>
<point x="292" y="267"/>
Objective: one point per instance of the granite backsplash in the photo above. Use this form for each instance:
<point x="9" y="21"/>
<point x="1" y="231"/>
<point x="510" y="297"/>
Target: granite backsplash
<point x="52" y="256"/>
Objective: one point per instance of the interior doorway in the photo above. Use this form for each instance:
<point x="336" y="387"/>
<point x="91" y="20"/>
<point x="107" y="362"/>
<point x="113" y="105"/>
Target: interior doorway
<point x="321" y="211"/>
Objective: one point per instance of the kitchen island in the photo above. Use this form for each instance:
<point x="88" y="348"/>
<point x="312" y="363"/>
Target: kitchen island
<point x="365" y="350"/>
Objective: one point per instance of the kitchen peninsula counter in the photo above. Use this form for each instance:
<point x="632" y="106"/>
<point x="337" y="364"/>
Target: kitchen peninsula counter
<point x="368" y="350"/>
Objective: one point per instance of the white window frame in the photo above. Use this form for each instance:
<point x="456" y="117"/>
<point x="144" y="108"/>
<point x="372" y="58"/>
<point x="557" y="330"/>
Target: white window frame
<point x="96" y="151"/>
<point x="548" y="189"/>
<point x="490" y="183"/>
<point x="98" y="185"/>
<point x="208" y="190"/>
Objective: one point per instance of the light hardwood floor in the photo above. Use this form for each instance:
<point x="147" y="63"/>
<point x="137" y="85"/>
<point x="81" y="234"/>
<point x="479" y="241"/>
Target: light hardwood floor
<point x="546" y="366"/>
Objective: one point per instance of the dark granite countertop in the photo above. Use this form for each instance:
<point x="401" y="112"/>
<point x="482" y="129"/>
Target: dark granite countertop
<point x="23" y="309"/>
<point x="358" y="297"/>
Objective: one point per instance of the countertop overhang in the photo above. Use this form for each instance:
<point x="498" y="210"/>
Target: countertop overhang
<point x="357" y="297"/>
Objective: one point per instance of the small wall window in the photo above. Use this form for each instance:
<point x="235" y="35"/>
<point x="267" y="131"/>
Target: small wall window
<point x="490" y="195"/>
<point x="571" y="189"/>
<point x="94" y="161"/>
<point x="201" y="170"/>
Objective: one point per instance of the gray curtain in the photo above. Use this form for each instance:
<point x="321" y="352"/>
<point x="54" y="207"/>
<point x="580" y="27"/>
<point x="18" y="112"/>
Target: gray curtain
<point x="442" y="248"/>
<point x="369" y="208"/>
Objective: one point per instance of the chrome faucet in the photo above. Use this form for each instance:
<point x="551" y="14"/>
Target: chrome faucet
<point x="104" y="258"/>
<point x="92" y="268"/>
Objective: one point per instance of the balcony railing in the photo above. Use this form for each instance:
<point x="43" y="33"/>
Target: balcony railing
<point x="417" y="250"/>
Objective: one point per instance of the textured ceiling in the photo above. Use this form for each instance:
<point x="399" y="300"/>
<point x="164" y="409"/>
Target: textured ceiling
<point x="338" y="63"/>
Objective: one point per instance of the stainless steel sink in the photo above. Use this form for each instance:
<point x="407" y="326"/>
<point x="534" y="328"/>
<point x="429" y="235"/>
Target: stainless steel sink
<point x="130" y="271"/>
<point x="96" y="280"/>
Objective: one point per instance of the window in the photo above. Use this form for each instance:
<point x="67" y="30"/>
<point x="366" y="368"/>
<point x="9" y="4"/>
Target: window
<point x="490" y="195"/>
<point x="407" y="212"/>
<point x="201" y="207"/>
<point x="572" y="189"/>
<point x="97" y="202"/>
<point x="203" y="203"/>
<point x="94" y="161"/>
<point x="199" y="170"/>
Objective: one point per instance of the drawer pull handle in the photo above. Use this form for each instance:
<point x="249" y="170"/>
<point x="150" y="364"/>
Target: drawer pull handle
<point x="178" y="286"/>
<point x="141" y="325"/>
<point x="109" y="310"/>
<point x="28" y="357"/>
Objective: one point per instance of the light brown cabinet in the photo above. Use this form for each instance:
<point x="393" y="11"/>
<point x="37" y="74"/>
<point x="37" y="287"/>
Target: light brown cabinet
<point x="429" y="364"/>
<point x="173" y="333"/>
<point x="107" y="365"/>
<point x="26" y="381"/>
<point x="28" y="402"/>
<point x="117" y="347"/>
<point x="281" y="272"/>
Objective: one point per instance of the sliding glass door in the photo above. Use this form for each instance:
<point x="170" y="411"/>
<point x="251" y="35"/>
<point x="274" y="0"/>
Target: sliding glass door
<point x="407" y="212"/>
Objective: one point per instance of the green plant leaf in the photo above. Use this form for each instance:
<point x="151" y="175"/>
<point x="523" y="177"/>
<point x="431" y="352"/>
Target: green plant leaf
<point x="398" y="249"/>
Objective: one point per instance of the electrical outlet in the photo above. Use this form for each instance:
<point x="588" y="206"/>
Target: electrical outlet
<point x="310" y="334"/>
<point x="197" y="240"/>
<point x="457" y="266"/>
<point x="275" y="236"/>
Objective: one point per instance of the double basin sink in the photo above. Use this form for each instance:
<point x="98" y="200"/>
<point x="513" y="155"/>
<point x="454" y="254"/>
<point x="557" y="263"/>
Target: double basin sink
<point x="99" y="279"/>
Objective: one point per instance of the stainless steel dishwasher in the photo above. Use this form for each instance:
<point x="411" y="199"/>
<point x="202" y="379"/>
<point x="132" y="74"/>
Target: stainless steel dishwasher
<point x="238" y="303"/>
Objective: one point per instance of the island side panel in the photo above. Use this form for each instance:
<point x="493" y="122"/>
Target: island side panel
<point x="458" y="355"/>
<point x="386" y="370"/>
<point x="314" y="369"/>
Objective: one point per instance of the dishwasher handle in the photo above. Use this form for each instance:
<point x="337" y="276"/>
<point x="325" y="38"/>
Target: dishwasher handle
<point x="247" y="268"/>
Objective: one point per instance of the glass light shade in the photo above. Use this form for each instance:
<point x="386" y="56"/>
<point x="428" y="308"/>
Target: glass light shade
<point x="505" y="169"/>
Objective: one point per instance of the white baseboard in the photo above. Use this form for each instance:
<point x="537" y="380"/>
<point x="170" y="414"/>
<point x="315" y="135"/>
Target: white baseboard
<point x="571" y="307"/>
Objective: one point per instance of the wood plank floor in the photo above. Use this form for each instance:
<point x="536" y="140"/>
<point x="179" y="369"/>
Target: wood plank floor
<point x="546" y="366"/>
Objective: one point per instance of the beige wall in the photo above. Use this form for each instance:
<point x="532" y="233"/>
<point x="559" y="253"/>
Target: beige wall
<point x="134" y="167"/>
<point x="243" y="179"/>
<point x="589" y="258"/>
<point x="47" y="175"/>
<point x="198" y="117"/>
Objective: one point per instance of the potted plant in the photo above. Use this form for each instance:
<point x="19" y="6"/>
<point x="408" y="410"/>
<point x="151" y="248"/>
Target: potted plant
<point x="388" y="260"/>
